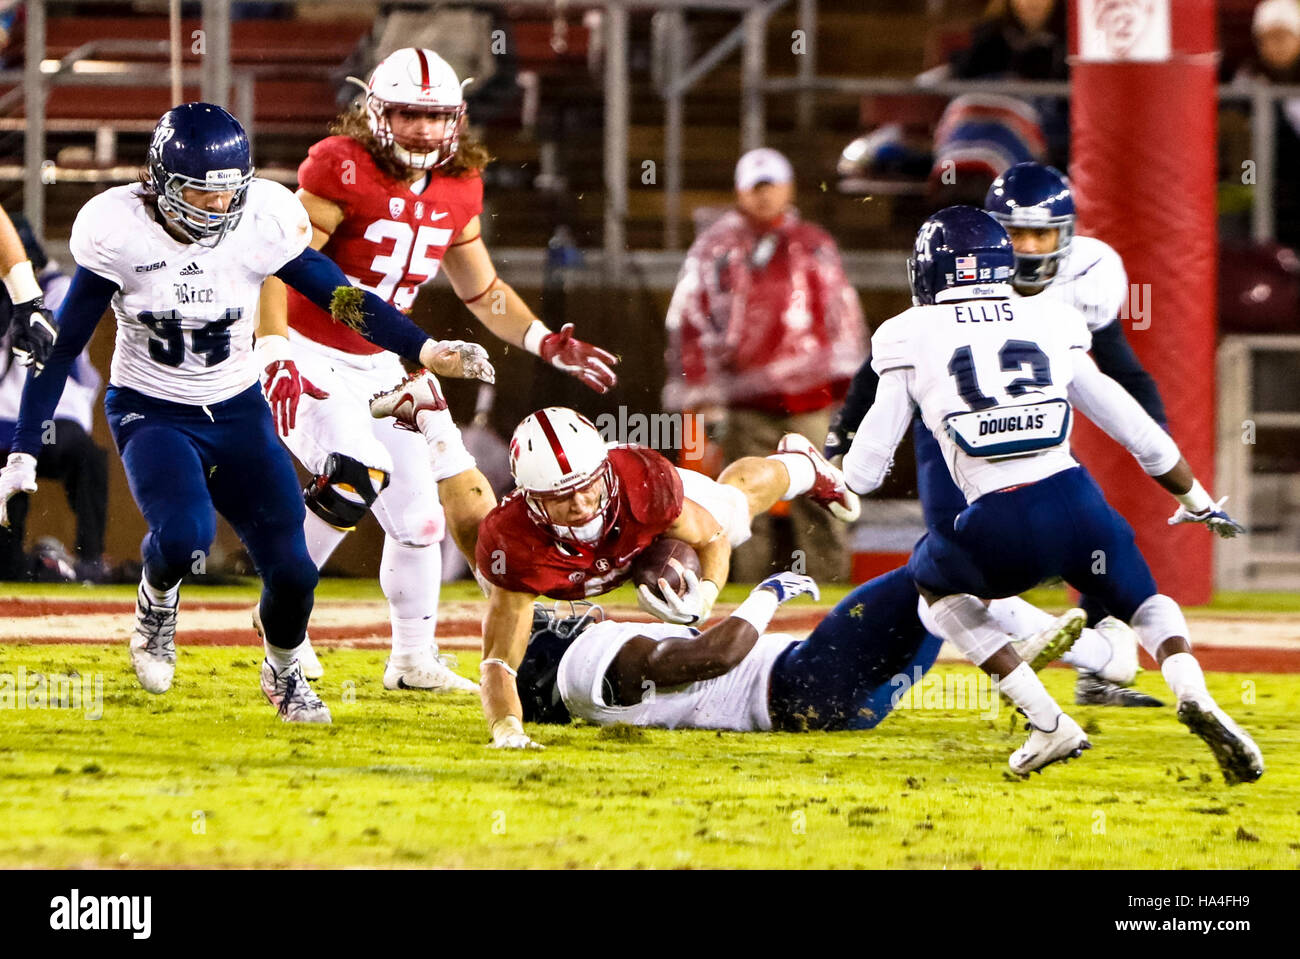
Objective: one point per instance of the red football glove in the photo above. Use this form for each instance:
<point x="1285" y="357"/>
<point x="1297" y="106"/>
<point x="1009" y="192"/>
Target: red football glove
<point x="283" y="386"/>
<point x="588" y="363"/>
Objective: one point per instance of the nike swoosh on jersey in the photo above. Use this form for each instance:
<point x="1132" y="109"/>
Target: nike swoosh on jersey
<point x="435" y="217"/>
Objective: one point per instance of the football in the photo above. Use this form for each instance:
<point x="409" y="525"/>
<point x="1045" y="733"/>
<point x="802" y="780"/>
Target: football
<point x="665" y="559"/>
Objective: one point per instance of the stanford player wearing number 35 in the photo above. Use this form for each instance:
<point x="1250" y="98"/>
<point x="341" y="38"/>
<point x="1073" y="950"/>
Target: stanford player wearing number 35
<point x="394" y="195"/>
<point x="181" y="257"/>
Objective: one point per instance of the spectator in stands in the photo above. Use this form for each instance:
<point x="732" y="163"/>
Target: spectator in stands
<point x="1276" y="28"/>
<point x="71" y="457"/>
<point x="1023" y="40"/>
<point x="764" y="334"/>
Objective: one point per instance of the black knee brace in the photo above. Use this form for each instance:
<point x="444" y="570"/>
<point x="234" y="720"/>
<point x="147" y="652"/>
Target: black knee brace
<point x="343" y="472"/>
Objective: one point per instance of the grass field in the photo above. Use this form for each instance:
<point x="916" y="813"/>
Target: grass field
<point x="207" y="775"/>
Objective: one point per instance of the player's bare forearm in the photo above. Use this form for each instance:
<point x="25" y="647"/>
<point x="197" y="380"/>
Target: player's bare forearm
<point x="505" y="638"/>
<point x="698" y="528"/>
<point x="11" y="245"/>
<point x="715" y="561"/>
<point x="1178" y="480"/>
<point x="273" y="309"/>
<point x="326" y="216"/>
<point x="503" y="312"/>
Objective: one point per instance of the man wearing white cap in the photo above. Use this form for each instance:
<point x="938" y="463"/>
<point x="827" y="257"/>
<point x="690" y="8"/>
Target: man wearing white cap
<point x="1276" y="28"/>
<point x="764" y="336"/>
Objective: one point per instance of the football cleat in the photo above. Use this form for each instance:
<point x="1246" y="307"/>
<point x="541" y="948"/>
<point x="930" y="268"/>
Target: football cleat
<point x="1052" y="641"/>
<point x="425" y="673"/>
<point x="1238" y="756"/>
<point x="307" y="659"/>
<point x="153" y="644"/>
<point x="1066" y="741"/>
<point x="829" y="490"/>
<point x="292" y="696"/>
<point x="418" y="393"/>
<point x="1122" y="667"/>
<point x="1091" y="690"/>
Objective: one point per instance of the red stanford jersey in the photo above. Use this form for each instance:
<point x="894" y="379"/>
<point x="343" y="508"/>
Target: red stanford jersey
<point x="390" y="241"/>
<point x="517" y="554"/>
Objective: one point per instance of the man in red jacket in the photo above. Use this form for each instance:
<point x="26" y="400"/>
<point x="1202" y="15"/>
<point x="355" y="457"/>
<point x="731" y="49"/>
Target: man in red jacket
<point x="763" y="334"/>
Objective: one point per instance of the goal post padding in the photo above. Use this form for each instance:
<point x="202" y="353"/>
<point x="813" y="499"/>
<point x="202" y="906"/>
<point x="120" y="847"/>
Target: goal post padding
<point x="1143" y="168"/>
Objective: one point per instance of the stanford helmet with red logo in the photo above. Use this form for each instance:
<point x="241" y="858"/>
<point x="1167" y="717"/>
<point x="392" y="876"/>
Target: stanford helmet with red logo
<point x="420" y="80"/>
<point x="555" y="454"/>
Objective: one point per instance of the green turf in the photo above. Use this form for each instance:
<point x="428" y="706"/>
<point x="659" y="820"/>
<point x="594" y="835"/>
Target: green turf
<point x="332" y="588"/>
<point x="207" y="775"/>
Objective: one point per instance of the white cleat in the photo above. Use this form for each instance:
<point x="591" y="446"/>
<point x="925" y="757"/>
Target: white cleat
<point x="307" y="659"/>
<point x="1237" y="754"/>
<point x="1066" y="741"/>
<point x="153" y="644"/>
<point x="418" y="393"/>
<point x="829" y="490"/>
<point x="292" y="696"/>
<point x="1052" y="641"/>
<point x="1122" y="667"/>
<point x="426" y="674"/>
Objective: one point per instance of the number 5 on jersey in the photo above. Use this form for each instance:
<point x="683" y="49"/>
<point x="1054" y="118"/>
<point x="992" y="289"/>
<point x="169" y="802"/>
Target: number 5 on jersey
<point x="409" y="256"/>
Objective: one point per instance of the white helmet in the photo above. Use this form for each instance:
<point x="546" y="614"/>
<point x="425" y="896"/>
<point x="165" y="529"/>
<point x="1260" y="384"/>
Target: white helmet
<point x="420" y="79"/>
<point x="554" y="453"/>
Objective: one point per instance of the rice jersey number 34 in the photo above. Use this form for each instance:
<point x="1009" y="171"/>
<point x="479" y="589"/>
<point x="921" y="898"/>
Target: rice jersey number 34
<point x="211" y="341"/>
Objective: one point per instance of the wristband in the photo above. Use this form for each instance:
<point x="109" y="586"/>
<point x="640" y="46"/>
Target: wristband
<point x="533" y="337"/>
<point x="498" y="662"/>
<point x="21" y="283"/>
<point x="758" y="609"/>
<point x="1196" y="500"/>
<point x="708" y="596"/>
<point x="271" y="348"/>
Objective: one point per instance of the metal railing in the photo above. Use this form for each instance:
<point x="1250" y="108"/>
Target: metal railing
<point x="217" y="78"/>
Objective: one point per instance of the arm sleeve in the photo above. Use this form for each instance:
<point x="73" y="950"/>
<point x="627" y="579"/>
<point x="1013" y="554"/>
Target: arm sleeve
<point x="316" y="276"/>
<point x="1104" y="401"/>
<point x="88" y="297"/>
<point x="869" y="458"/>
<point x="862" y="393"/>
<point x="1116" y="359"/>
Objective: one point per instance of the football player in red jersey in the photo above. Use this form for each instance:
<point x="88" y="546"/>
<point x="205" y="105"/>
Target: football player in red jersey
<point x="394" y="195"/>
<point x="581" y="514"/>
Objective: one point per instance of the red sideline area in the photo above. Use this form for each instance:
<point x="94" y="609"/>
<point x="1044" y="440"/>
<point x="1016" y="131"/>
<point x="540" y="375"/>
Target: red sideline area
<point x="459" y="630"/>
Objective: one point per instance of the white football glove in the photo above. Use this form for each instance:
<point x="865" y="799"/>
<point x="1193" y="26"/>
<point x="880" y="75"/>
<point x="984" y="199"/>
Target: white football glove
<point x="1214" y="517"/>
<point x="789" y="585"/>
<point x="688" y="609"/>
<point x="458" y="360"/>
<point x="18" y="476"/>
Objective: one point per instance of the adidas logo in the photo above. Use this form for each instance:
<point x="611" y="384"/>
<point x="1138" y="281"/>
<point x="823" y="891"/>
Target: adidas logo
<point x="131" y="418"/>
<point x="192" y="270"/>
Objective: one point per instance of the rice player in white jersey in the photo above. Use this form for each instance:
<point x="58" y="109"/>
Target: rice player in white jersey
<point x="181" y="258"/>
<point x="996" y="380"/>
<point x="850" y="672"/>
<point x="1034" y="202"/>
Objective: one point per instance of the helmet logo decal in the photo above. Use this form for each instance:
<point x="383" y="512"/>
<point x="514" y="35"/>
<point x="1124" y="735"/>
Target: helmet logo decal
<point x="549" y="431"/>
<point x="965" y="268"/>
<point x="161" y="134"/>
<point x="224" y="179"/>
<point x="424" y="71"/>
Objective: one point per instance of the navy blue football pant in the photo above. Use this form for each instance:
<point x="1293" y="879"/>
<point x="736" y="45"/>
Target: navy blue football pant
<point x="1007" y="542"/>
<point x="859" y="661"/>
<point x="185" y="464"/>
<point x="941" y="500"/>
